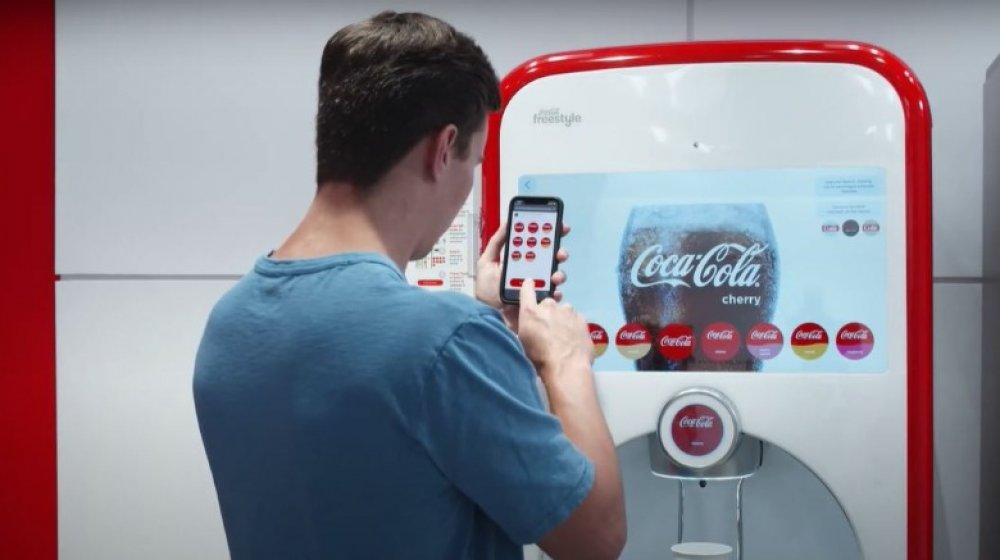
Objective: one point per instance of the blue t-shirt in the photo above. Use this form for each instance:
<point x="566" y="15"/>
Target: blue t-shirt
<point x="347" y="414"/>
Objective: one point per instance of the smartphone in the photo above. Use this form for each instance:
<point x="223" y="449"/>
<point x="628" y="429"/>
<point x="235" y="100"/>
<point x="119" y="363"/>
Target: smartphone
<point x="534" y="228"/>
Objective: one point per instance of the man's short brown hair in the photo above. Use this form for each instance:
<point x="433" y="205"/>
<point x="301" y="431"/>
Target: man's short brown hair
<point x="387" y="82"/>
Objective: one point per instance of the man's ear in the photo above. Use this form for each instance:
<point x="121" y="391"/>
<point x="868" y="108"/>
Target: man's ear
<point x="440" y="151"/>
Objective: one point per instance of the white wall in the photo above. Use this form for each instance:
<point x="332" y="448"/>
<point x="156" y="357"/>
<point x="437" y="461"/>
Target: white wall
<point x="184" y="150"/>
<point x="190" y="125"/>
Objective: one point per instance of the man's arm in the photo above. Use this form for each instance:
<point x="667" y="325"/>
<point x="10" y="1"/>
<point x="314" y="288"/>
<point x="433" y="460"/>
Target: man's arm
<point x="556" y="339"/>
<point x="597" y="528"/>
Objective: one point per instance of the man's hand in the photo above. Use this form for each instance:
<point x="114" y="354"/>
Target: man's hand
<point x="488" y="269"/>
<point x="552" y="334"/>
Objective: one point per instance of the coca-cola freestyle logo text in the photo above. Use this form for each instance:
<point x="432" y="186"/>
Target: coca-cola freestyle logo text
<point x="713" y="268"/>
<point x="555" y="115"/>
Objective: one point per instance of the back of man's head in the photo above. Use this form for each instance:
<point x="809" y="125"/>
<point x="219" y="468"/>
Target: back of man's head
<point x="387" y="82"/>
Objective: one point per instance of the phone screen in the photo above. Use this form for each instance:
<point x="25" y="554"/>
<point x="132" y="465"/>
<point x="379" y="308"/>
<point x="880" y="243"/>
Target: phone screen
<point x="533" y="230"/>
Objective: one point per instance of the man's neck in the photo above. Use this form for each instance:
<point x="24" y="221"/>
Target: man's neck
<point x="343" y="220"/>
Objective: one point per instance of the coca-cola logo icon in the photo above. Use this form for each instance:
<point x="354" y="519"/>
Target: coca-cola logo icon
<point x="764" y="341"/>
<point x="599" y="337"/>
<point x="633" y="341"/>
<point x="519" y="227"/>
<point x="712" y="268"/>
<point x="809" y="341"/>
<point x="720" y="342"/>
<point x="855" y="341"/>
<point x="517" y="241"/>
<point x="697" y="429"/>
<point x="676" y="342"/>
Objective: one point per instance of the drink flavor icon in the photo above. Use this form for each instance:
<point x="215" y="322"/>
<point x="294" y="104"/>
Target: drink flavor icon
<point x="765" y="341"/>
<point x="599" y="337"/>
<point x="633" y="341"/>
<point x="809" y="341"/>
<point x="676" y="342"/>
<point x="855" y="341"/>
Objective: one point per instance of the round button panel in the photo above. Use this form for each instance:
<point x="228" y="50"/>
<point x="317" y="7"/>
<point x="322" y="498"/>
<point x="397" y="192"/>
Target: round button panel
<point x="698" y="428"/>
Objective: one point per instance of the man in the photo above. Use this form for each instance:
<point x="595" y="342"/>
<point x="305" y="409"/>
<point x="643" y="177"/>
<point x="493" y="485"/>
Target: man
<point x="347" y="414"/>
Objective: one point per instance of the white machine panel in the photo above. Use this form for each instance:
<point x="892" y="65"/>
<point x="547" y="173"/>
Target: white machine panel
<point x="769" y="126"/>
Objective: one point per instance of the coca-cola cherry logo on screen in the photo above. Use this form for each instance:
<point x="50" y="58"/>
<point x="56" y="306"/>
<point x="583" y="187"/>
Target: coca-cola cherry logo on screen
<point x="696" y="429"/>
<point x="720" y="342"/>
<point x="652" y="267"/>
<point x="809" y="341"/>
<point x="599" y="337"/>
<point x="676" y="342"/>
<point x="764" y="341"/>
<point x="633" y="341"/>
<point x="855" y="341"/>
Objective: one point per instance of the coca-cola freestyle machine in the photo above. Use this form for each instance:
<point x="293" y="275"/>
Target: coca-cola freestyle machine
<point x="751" y="245"/>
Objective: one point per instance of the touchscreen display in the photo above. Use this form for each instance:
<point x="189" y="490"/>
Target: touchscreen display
<point x="531" y="246"/>
<point x="771" y="270"/>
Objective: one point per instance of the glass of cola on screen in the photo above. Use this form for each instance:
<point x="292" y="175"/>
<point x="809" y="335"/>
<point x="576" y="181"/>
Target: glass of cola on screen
<point x="699" y="277"/>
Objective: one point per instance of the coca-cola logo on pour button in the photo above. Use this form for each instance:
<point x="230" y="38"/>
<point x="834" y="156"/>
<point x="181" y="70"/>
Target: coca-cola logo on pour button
<point x="697" y="429"/>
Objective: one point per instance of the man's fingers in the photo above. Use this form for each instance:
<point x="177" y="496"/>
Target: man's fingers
<point x="495" y="244"/>
<point x="528" y="296"/>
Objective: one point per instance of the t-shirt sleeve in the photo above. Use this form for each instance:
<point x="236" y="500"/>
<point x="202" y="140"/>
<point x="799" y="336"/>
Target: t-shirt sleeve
<point x="483" y="423"/>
